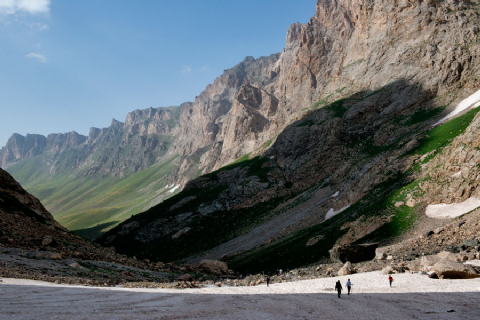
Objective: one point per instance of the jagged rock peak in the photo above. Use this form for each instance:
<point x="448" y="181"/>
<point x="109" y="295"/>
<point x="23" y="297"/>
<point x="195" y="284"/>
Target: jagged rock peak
<point x="116" y="123"/>
<point x="19" y="147"/>
<point x="158" y="114"/>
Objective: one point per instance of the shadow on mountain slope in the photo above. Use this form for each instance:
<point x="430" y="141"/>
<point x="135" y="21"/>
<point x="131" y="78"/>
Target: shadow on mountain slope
<point x="252" y="212"/>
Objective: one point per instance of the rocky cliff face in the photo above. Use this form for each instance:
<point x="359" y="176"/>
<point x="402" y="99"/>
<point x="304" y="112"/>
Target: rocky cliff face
<point x="354" y="92"/>
<point x="347" y="47"/>
<point x="203" y="122"/>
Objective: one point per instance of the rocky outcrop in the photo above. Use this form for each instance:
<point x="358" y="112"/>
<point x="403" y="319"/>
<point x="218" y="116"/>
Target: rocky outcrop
<point x="346" y="269"/>
<point x="447" y="269"/>
<point x="19" y="147"/>
<point x="213" y="267"/>
<point x="353" y="253"/>
<point x="14" y="198"/>
<point x="204" y="130"/>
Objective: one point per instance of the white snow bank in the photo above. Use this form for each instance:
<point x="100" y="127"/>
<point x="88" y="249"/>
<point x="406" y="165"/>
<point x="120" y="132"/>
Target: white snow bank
<point x="335" y="194"/>
<point x="472" y="101"/>
<point x="445" y="211"/>
<point x="412" y="296"/>
<point x="332" y="213"/>
<point x="174" y="188"/>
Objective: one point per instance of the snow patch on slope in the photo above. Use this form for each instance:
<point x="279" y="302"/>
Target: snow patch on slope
<point x="445" y="211"/>
<point x="472" y="101"/>
<point x="331" y="213"/>
<point x="174" y="188"/>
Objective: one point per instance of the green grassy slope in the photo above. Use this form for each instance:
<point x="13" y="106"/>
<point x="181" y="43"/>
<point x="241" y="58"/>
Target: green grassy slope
<point x="80" y="202"/>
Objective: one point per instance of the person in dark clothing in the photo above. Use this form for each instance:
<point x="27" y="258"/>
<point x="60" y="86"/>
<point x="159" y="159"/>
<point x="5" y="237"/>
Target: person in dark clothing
<point x="268" y="280"/>
<point x="390" y="280"/>
<point x="338" y="287"/>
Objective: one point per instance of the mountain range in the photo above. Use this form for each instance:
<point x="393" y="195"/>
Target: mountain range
<point x="340" y="138"/>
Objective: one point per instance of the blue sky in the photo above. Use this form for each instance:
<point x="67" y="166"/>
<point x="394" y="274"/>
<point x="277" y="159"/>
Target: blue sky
<point x="68" y="65"/>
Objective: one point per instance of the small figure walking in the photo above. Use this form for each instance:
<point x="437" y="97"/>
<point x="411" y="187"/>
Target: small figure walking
<point x="338" y="287"/>
<point x="268" y="280"/>
<point x="390" y="280"/>
<point x="349" y="286"/>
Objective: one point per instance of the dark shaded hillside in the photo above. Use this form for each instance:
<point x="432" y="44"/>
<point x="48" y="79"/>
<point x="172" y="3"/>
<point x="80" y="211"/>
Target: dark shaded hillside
<point x="351" y="153"/>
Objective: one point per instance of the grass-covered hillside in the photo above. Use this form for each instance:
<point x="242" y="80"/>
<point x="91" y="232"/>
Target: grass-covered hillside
<point x="83" y="202"/>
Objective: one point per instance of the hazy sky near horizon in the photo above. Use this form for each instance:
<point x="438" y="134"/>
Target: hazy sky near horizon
<point x="68" y="65"/>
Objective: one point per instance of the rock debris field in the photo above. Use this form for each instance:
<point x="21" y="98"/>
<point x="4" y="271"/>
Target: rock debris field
<point x="412" y="296"/>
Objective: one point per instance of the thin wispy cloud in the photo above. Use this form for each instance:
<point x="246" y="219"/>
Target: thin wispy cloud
<point x="36" y="56"/>
<point x="8" y="7"/>
<point x="186" y="70"/>
<point x="39" y="25"/>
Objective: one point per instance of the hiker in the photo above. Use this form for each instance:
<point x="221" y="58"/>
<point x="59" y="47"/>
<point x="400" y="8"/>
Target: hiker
<point x="268" y="280"/>
<point x="338" y="287"/>
<point x="390" y="280"/>
<point x="280" y="271"/>
<point x="349" y="286"/>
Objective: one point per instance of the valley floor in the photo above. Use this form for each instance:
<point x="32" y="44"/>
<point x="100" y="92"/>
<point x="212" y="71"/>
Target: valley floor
<point x="412" y="296"/>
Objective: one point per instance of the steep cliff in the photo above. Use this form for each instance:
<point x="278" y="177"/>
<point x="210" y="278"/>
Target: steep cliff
<point x="347" y="117"/>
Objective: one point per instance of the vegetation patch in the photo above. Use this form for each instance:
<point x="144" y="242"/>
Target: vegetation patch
<point x="444" y="134"/>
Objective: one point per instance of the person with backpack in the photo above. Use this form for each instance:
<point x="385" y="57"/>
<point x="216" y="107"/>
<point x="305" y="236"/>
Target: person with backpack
<point x="349" y="286"/>
<point x="338" y="287"/>
<point x="390" y="280"/>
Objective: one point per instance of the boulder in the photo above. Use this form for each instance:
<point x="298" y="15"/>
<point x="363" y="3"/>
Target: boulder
<point x="185" y="277"/>
<point x="49" y="255"/>
<point x="414" y="265"/>
<point x="471" y="243"/>
<point x="75" y="265"/>
<point x="380" y="255"/>
<point x="454" y="270"/>
<point x="445" y="255"/>
<point x="48" y="241"/>
<point x="346" y="269"/>
<point x="428" y="261"/>
<point x="399" y="204"/>
<point x="213" y="267"/>
<point x="353" y="252"/>
<point x="388" y="270"/>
